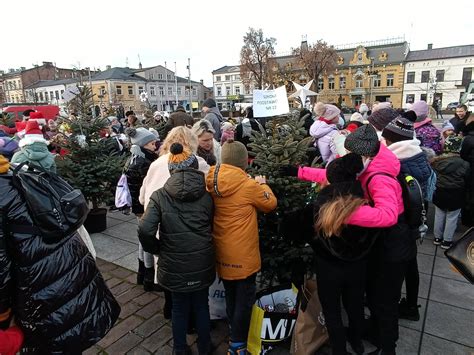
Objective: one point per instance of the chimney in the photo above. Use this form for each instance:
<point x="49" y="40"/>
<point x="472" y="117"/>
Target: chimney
<point x="47" y="63"/>
<point x="202" y="81"/>
<point x="107" y="67"/>
<point x="140" y="66"/>
<point x="2" y="72"/>
<point x="430" y="45"/>
<point x="11" y="70"/>
<point x="23" y="68"/>
<point x="304" y="43"/>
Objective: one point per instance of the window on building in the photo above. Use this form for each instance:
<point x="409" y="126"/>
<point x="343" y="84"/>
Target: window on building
<point x="342" y="82"/>
<point x="331" y="84"/>
<point x="218" y="78"/>
<point x="160" y="76"/>
<point x="152" y="76"/>
<point x="102" y="90"/>
<point x="41" y="96"/>
<point x="46" y="97"/>
<point x="170" y="91"/>
<point x="140" y="90"/>
<point x="466" y="76"/>
<point x="152" y="91"/>
<point x="62" y="92"/>
<point x="179" y="90"/>
<point x="186" y="92"/>
<point x="410" y="77"/>
<point x="390" y="79"/>
<point x="227" y="90"/>
<point x="237" y="90"/>
<point x="423" y="97"/>
<point x="56" y="94"/>
<point x="14" y="84"/>
<point x="237" y="77"/>
<point x="169" y="76"/>
<point x="194" y="92"/>
<point x="425" y="76"/>
<point x="377" y="81"/>
<point x="162" y="91"/>
<point x="219" y="91"/>
<point x="410" y="99"/>
<point x="440" y="75"/>
<point x="227" y="77"/>
<point x="321" y="84"/>
<point x="130" y="90"/>
<point x="51" y="95"/>
<point x="119" y="89"/>
<point x="359" y="82"/>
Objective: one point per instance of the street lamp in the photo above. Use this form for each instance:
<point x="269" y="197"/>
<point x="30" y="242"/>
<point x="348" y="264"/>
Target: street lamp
<point x="372" y="75"/>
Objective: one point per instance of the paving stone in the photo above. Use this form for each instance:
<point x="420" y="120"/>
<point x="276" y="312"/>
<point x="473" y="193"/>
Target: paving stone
<point x="120" y="272"/>
<point x="128" y="309"/>
<point x="124" y="344"/>
<point x="427" y="247"/>
<point x="138" y="351"/>
<point x="449" y="322"/>
<point x="151" y="325"/>
<point x="146" y="298"/>
<point x="408" y="341"/>
<point x="110" y="248"/>
<point x="425" y="263"/>
<point x="100" y="262"/>
<point x="106" y="267"/>
<point x="152" y="308"/>
<point x="444" y="268"/>
<point x="111" y="222"/>
<point x="158" y="339"/>
<point x="112" y="282"/>
<point x="120" y="216"/>
<point x="106" y="276"/>
<point x="456" y="293"/>
<point x="130" y="294"/>
<point x="124" y="231"/>
<point x="436" y="346"/>
<point x="132" y="278"/>
<point x="424" y="285"/>
<point x="166" y="350"/>
<point x="119" y="330"/>
<point x="129" y="261"/>
<point x="121" y="288"/>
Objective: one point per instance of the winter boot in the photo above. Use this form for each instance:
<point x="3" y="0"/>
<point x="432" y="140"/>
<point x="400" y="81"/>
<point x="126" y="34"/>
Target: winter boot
<point x="141" y="272"/>
<point x="408" y="312"/>
<point x="149" y="279"/>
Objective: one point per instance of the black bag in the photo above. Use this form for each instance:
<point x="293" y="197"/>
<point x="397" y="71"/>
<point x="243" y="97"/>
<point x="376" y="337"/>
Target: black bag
<point x="413" y="199"/>
<point x="461" y="255"/>
<point x="57" y="209"/>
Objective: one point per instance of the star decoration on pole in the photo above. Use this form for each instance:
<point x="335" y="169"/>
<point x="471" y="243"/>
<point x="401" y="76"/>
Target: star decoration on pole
<point x="303" y="91"/>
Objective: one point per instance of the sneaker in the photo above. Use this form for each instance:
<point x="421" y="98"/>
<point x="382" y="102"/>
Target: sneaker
<point x="446" y="244"/>
<point x="437" y="241"/>
<point x="408" y="312"/>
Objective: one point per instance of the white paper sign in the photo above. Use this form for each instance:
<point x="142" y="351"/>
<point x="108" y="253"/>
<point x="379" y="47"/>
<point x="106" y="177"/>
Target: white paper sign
<point x="268" y="103"/>
<point x="70" y="93"/>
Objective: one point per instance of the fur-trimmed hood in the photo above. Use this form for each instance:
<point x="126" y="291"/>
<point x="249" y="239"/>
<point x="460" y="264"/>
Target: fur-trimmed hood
<point x="405" y="149"/>
<point x="32" y="138"/>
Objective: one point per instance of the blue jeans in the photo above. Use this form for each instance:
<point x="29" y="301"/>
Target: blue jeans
<point x="240" y="298"/>
<point x="183" y="304"/>
<point x="445" y="224"/>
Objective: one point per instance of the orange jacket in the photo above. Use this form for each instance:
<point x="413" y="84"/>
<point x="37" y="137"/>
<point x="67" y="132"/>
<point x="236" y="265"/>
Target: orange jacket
<point x="237" y="197"/>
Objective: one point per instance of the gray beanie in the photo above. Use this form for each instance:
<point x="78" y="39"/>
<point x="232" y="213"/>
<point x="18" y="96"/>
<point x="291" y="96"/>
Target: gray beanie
<point x="364" y="141"/>
<point x="209" y="103"/>
<point x="400" y="129"/>
<point x="140" y="136"/>
<point x="382" y="117"/>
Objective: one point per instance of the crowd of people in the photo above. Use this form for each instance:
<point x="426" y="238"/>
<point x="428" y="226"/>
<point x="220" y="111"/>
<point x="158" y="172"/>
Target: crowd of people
<point x="197" y="208"/>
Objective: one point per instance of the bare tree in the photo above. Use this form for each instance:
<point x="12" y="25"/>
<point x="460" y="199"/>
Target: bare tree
<point x="316" y="59"/>
<point x="254" y="56"/>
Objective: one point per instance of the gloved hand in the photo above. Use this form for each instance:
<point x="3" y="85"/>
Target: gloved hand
<point x="288" y="170"/>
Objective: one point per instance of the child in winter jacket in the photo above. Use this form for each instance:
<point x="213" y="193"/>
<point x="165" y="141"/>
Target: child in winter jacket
<point x="452" y="172"/>
<point x="182" y="210"/>
<point x="228" y="131"/>
<point x="324" y="129"/>
<point x="341" y="252"/>
<point x="142" y="155"/>
<point x="426" y="133"/>
<point x="237" y="198"/>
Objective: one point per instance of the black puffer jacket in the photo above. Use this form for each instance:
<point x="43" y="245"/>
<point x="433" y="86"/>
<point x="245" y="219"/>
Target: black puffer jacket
<point x="457" y="123"/>
<point x="467" y="153"/>
<point x="183" y="210"/>
<point x="355" y="242"/>
<point x="59" y="298"/>
<point x="452" y="173"/>
<point x="136" y="169"/>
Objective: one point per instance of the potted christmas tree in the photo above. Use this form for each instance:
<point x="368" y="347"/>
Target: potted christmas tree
<point x="88" y="161"/>
<point x="284" y="232"/>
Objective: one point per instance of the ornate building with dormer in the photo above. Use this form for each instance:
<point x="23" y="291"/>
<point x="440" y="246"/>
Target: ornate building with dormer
<point x="368" y="72"/>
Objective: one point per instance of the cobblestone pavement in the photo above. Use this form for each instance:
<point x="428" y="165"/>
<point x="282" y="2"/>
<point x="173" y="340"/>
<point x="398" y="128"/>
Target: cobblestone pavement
<point x="446" y="298"/>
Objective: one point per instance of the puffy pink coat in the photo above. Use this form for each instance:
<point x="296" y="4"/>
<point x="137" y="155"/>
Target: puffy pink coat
<point x="385" y="191"/>
<point x="323" y="133"/>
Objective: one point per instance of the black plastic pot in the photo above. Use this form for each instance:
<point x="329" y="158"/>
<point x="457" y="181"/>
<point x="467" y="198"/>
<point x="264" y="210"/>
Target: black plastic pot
<point x="96" y="220"/>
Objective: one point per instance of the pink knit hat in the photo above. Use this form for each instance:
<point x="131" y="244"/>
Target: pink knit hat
<point x="421" y="109"/>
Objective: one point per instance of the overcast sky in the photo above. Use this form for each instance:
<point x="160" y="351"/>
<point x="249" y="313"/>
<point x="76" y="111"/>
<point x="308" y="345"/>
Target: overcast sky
<point x="104" y="32"/>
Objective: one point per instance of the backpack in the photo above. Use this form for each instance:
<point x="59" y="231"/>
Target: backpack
<point x="413" y="201"/>
<point x="9" y="148"/>
<point x="56" y="208"/>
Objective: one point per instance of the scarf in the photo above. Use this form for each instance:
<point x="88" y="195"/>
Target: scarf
<point x="207" y="155"/>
